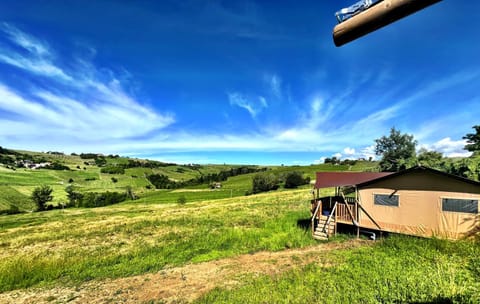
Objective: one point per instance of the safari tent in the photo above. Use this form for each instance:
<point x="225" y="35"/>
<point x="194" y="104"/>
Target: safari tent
<point x="418" y="201"/>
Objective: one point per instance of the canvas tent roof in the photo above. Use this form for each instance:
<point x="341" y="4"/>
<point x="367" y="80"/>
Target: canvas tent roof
<point x="418" y="169"/>
<point x="339" y="179"/>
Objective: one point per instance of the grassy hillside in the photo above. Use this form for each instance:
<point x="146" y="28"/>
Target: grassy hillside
<point x="132" y="238"/>
<point x="68" y="247"/>
<point x="86" y="176"/>
<point x="64" y="247"/>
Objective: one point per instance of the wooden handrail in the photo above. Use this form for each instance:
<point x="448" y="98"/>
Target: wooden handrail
<point x="349" y="211"/>
<point x="314" y="215"/>
<point x="327" y="223"/>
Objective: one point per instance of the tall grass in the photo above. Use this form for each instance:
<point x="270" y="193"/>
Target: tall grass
<point x="77" y="245"/>
<point x="397" y="270"/>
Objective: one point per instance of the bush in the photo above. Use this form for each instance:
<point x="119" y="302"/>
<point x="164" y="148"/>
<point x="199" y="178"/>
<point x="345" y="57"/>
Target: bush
<point x="294" y="179"/>
<point x="57" y="166"/>
<point x="161" y="181"/>
<point x="113" y="170"/>
<point x="11" y="210"/>
<point x="114" y="180"/>
<point x="263" y="182"/>
<point x="182" y="200"/>
<point x="94" y="199"/>
<point x="41" y="196"/>
<point x="74" y="198"/>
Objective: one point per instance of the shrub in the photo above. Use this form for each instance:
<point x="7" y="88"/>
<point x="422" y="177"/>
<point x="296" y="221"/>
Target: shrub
<point x="294" y="179"/>
<point x="11" y="210"/>
<point x="94" y="199"/>
<point x="182" y="200"/>
<point x="263" y="182"/>
<point x="57" y="166"/>
<point x="41" y="196"/>
<point x="113" y="170"/>
<point x="74" y="198"/>
<point x="114" y="180"/>
<point x="161" y="181"/>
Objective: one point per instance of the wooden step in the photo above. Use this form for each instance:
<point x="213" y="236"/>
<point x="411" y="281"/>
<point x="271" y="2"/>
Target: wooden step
<point x="329" y="227"/>
<point x="320" y="236"/>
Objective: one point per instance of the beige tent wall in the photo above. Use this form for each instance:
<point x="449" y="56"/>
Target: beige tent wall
<point x="420" y="205"/>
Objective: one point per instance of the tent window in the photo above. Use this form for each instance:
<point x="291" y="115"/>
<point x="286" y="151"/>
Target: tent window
<point x="385" y="200"/>
<point x="460" y="205"/>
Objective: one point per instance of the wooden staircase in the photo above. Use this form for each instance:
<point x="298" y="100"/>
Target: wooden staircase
<point x="323" y="231"/>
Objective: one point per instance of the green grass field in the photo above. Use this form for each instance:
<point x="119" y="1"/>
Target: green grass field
<point x="75" y="245"/>
<point x="397" y="270"/>
<point x="155" y="232"/>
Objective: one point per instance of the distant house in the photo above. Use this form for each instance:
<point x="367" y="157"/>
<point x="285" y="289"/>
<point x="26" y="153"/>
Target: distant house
<point x="31" y="165"/>
<point x="216" y="185"/>
<point x="418" y="201"/>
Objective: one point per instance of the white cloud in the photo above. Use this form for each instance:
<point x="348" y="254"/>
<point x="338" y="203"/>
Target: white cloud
<point x="39" y="59"/>
<point x="276" y="86"/>
<point x="253" y="105"/>
<point x="28" y="42"/>
<point x="319" y="161"/>
<point x="449" y="147"/>
<point x="85" y="105"/>
<point x="349" y="151"/>
<point x="368" y="152"/>
<point x="337" y="155"/>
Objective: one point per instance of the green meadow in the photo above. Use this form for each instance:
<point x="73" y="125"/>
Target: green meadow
<point x="167" y="228"/>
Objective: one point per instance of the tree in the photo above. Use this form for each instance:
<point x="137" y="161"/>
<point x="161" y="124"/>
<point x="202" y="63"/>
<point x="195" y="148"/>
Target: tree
<point x="263" y="182"/>
<point x="397" y="151"/>
<point x="473" y="140"/>
<point x="41" y="196"/>
<point x="432" y="159"/>
<point x="74" y="198"/>
<point x="294" y="179"/>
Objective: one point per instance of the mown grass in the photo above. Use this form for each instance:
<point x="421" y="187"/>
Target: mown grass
<point x="12" y="198"/>
<point x="88" y="178"/>
<point x="79" y="244"/>
<point x="397" y="270"/>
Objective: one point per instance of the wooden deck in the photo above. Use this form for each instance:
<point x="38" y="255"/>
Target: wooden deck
<point x="340" y="209"/>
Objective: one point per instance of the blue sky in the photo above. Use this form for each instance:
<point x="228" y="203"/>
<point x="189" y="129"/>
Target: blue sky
<point x="250" y="82"/>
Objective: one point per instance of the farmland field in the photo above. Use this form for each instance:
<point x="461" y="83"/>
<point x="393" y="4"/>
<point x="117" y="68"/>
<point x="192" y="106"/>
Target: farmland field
<point x="213" y="246"/>
<point x="78" y="250"/>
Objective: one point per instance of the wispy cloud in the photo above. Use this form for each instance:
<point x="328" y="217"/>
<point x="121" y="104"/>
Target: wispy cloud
<point x="254" y="105"/>
<point x="275" y="84"/>
<point x="84" y="105"/>
<point x="37" y="59"/>
<point x="33" y="45"/>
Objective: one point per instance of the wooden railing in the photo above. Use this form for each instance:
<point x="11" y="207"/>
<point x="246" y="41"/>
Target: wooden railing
<point x="344" y="215"/>
<point x="314" y="215"/>
<point x="332" y="214"/>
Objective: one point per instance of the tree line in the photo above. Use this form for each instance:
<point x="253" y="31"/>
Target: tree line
<point x="398" y="152"/>
<point x="161" y="181"/>
<point x="42" y="195"/>
<point x="268" y="181"/>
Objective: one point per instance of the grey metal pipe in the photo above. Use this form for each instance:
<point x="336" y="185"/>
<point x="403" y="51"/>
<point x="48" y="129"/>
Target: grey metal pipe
<point x="378" y="16"/>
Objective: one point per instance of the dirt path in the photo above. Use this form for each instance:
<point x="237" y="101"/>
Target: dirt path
<point x="179" y="284"/>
